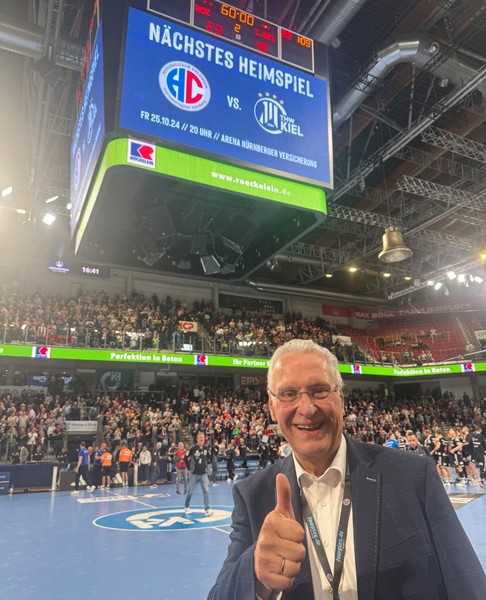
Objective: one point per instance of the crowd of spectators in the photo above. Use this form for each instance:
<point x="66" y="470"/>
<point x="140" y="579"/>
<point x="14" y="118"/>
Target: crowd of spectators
<point x="37" y="421"/>
<point x="32" y="424"/>
<point x="92" y="319"/>
<point x="96" y="320"/>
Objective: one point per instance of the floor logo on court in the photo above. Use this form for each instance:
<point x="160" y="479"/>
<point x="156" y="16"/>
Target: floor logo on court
<point x="165" y="519"/>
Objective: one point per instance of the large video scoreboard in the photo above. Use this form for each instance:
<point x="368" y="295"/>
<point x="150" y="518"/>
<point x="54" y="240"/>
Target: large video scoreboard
<point x="243" y="101"/>
<point x="200" y="91"/>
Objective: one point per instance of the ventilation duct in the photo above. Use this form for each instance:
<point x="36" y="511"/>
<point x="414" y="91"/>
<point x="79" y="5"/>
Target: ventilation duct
<point x="310" y="293"/>
<point x="28" y="39"/>
<point x="417" y="50"/>
<point x="334" y="20"/>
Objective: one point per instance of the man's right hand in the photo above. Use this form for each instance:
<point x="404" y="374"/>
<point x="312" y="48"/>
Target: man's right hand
<point x="280" y="544"/>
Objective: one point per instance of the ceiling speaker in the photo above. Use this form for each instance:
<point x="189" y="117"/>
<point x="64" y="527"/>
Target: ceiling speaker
<point x="228" y="251"/>
<point x="210" y="264"/>
<point x="159" y="221"/>
<point x="198" y="244"/>
<point x="241" y="231"/>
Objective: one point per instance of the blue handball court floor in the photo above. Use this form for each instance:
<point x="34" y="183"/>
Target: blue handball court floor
<point x="136" y="542"/>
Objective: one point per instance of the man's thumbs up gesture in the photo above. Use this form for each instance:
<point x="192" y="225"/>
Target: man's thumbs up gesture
<point x="279" y="550"/>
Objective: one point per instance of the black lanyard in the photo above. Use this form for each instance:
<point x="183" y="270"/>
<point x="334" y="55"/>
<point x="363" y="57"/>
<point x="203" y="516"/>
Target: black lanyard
<point x="340" y="539"/>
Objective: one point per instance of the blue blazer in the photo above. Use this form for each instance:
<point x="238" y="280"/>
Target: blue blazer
<point x="409" y="543"/>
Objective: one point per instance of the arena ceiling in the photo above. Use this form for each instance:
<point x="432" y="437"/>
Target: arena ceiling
<point x="408" y="85"/>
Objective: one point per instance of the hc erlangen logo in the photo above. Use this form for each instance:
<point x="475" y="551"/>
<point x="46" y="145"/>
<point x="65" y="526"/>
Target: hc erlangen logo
<point x="272" y="116"/>
<point x="184" y="85"/>
<point x="165" y="519"/>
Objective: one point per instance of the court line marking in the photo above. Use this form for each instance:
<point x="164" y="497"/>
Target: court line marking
<point x="132" y="498"/>
<point x="222" y="530"/>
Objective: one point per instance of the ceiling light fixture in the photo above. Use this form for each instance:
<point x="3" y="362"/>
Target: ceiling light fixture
<point x="49" y="218"/>
<point x="438" y="285"/>
<point x="274" y="266"/>
<point x="386" y="274"/>
<point x="328" y="275"/>
<point x="353" y="269"/>
<point x="51" y="199"/>
<point x="451" y="275"/>
<point x="6" y="191"/>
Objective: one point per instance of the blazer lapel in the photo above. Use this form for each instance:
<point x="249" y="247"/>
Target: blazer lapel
<point x="302" y="589"/>
<point x="366" y="487"/>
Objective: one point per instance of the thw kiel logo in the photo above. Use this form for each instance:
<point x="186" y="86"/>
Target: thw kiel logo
<point x="185" y="86"/>
<point x="272" y="116"/>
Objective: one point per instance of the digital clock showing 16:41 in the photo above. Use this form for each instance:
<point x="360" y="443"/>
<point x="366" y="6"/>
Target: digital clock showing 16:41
<point x="90" y="270"/>
<point x="93" y="270"/>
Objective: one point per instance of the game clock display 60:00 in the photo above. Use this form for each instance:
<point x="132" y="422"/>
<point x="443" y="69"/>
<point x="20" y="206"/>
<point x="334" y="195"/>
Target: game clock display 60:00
<point x="240" y="27"/>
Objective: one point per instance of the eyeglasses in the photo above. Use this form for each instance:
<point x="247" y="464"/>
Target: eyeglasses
<point x="316" y="393"/>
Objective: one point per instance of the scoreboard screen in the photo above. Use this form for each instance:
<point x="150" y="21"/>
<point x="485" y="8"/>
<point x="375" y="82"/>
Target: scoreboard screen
<point x="183" y="86"/>
<point x="213" y="105"/>
<point x="240" y="27"/>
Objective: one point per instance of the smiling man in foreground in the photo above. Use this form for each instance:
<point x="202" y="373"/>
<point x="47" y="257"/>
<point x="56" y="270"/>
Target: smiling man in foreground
<point x="340" y="519"/>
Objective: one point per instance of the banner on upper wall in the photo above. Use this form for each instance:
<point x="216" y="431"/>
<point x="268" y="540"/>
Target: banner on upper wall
<point x="80" y="427"/>
<point x="377" y="314"/>
<point x="114" y="379"/>
<point x="255" y="380"/>
<point x="481" y="335"/>
<point x="188" y="326"/>
<point x="342" y="339"/>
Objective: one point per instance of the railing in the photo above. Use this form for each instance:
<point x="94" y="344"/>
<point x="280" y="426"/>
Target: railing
<point x="8" y="447"/>
<point x="367" y="351"/>
<point x="127" y="339"/>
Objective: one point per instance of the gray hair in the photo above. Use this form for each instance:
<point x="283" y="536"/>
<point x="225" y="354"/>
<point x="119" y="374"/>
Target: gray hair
<point x="306" y="347"/>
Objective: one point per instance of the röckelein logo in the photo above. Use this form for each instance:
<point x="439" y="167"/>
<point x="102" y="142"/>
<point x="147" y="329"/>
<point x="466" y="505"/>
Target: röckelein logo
<point x="272" y="116"/>
<point x="41" y="352"/>
<point x="184" y="86"/>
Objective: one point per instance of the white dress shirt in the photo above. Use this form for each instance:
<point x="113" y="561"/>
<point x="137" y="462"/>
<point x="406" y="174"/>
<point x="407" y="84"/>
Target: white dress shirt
<point x="324" y="495"/>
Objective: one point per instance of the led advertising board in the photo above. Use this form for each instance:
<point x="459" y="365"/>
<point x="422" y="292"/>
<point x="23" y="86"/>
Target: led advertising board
<point x="209" y="360"/>
<point x="188" y="88"/>
<point x="88" y="133"/>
